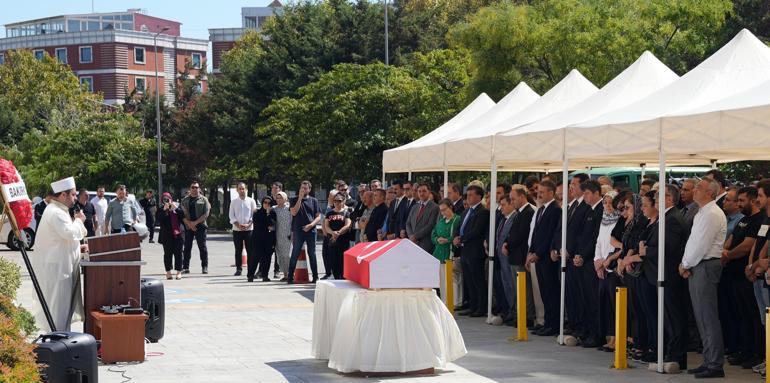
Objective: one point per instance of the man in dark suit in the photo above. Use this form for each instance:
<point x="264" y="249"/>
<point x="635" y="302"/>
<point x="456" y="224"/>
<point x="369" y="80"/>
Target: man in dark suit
<point x="422" y="219"/>
<point x="455" y="194"/>
<point x="546" y="219"/>
<point x="503" y="189"/>
<point x="410" y="197"/>
<point x="473" y="231"/>
<point x="377" y="218"/>
<point x="502" y="282"/>
<point x="718" y="176"/>
<point x="577" y="210"/>
<point x="396" y="211"/>
<point x="675" y="291"/>
<point x="515" y="248"/>
<point x="583" y="261"/>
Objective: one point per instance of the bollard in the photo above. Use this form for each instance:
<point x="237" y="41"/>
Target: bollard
<point x="521" y="305"/>
<point x="767" y="339"/>
<point x="621" y="311"/>
<point x="450" y="288"/>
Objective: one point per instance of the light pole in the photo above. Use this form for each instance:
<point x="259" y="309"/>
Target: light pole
<point x="157" y="113"/>
<point x="386" y="33"/>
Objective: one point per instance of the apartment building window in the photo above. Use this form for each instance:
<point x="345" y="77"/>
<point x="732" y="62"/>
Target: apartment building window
<point x="138" y="55"/>
<point x="2" y="58"/>
<point x="88" y="81"/>
<point x="61" y="55"/>
<point x="140" y="83"/>
<point x="196" y="60"/>
<point x="39" y="54"/>
<point x="86" y="55"/>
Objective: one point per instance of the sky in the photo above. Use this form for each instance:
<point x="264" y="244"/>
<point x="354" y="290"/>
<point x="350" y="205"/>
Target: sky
<point x="196" y="16"/>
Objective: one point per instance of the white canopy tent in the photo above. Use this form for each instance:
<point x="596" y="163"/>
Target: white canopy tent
<point x="399" y="159"/>
<point x="737" y="67"/>
<point x="473" y="149"/>
<point x="544" y="139"/>
<point x="521" y="98"/>
<point x="641" y="132"/>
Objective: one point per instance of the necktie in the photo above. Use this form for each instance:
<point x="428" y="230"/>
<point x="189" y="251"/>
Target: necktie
<point x="500" y="229"/>
<point x="471" y="212"/>
<point x="540" y="213"/>
<point x="422" y="208"/>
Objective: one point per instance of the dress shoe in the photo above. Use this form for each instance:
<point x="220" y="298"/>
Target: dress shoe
<point x="325" y="277"/>
<point x="315" y="280"/>
<point x="697" y="370"/>
<point x="151" y="241"/>
<point x="289" y="282"/>
<point x="478" y="314"/>
<point x="462" y="307"/>
<point x="750" y="362"/>
<point x="265" y="279"/>
<point x="545" y="331"/>
<point x="590" y="343"/>
<point x="186" y="271"/>
<point x="237" y="273"/>
<point x="250" y="279"/>
<point x="537" y="327"/>
<point x="205" y="270"/>
<point x="709" y="373"/>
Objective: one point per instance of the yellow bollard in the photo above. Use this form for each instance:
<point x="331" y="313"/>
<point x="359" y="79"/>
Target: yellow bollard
<point x="621" y="311"/>
<point x="450" y="288"/>
<point x="767" y="339"/>
<point x="521" y="305"/>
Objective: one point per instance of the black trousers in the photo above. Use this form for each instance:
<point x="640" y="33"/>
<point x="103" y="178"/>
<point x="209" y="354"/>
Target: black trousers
<point x="638" y="324"/>
<point x="259" y="261"/>
<point x="473" y="272"/>
<point x="172" y="251"/>
<point x="606" y="294"/>
<point x="589" y="300"/>
<point x="241" y="239"/>
<point x="727" y="311"/>
<point x="199" y="236"/>
<point x="750" y="336"/>
<point x="326" y="258"/>
<point x="501" y="302"/>
<point x="550" y="289"/>
<point x="573" y="297"/>
<point x="151" y="226"/>
<point x="675" y="301"/>
<point x="336" y="256"/>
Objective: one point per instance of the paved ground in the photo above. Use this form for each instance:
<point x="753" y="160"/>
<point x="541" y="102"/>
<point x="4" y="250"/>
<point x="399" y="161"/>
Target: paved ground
<point x="219" y="328"/>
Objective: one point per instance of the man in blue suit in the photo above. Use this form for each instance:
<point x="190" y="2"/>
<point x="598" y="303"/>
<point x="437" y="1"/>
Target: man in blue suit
<point x="547" y="220"/>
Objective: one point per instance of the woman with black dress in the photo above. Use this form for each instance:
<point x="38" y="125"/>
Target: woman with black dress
<point x="337" y="225"/>
<point x="262" y="240"/>
<point x="171" y="234"/>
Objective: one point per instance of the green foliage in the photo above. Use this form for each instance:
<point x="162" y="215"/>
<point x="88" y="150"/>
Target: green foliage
<point x="10" y="278"/>
<point x="340" y="125"/>
<point x="41" y="94"/>
<point x="106" y="149"/>
<point x="541" y="41"/>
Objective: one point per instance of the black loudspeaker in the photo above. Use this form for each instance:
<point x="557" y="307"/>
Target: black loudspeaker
<point x="154" y="303"/>
<point x="67" y="357"/>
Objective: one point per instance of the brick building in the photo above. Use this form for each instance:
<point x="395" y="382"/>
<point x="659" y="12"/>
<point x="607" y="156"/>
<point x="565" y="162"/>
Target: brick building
<point x="112" y="53"/>
<point x="252" y="18"/>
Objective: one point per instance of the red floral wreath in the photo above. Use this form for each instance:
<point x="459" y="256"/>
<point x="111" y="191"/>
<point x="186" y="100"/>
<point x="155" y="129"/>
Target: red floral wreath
<point x="22" y="210"/>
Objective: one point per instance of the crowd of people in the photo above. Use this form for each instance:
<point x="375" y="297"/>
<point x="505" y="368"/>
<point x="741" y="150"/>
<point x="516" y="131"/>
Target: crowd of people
<point x="716" y="251"/>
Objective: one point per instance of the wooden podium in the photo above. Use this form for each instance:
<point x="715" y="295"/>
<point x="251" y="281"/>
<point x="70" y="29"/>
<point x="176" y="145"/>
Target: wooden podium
<point x="111" y="274"/>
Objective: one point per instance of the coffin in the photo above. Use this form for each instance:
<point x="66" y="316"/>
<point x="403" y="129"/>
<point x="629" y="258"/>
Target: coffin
<point x="394" y="264"/>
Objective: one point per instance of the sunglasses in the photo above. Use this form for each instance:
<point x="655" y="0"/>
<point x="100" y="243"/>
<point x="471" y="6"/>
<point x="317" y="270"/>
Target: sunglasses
<point x="194" y="187"/>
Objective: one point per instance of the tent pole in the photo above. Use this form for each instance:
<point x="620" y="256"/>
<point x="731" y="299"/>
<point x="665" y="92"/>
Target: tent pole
<point x="713" y="164"/>
<point x="492" y="232"/>
<point x="661" y="241"/>
<point x="446" y="175"/>
<point x="564" y="203"/>
<point x="409" y="175"/>
<point x="644" y="169"/>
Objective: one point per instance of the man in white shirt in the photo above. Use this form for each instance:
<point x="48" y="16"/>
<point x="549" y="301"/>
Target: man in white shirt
<point x="241" y="212"/>
<point x="100" y="206"/>
<point x="701" y="265"/>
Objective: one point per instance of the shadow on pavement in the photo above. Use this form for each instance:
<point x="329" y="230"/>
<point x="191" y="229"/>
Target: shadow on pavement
<point x="315" y="370"/>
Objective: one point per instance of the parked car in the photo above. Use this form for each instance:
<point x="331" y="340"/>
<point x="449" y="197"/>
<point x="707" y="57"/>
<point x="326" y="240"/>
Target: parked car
<point x="9" y="238"/>
<point x="631" y="177"/>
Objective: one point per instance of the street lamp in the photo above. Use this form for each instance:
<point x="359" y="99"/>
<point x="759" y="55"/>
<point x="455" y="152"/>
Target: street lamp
<point x="157" y="112"/>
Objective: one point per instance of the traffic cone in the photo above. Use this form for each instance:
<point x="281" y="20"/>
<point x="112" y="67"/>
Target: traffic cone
<point x="244" y="261"/>
<point x="300" y="272"/>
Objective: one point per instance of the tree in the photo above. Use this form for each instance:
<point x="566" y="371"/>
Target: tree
<point x="541" y="41"/>
<point x="341" y="123"/>
<point x="41" y="94"/>
<point x="106" y="149"/>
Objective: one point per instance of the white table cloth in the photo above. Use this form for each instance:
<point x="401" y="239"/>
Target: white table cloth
<point x="382" y="331"/>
